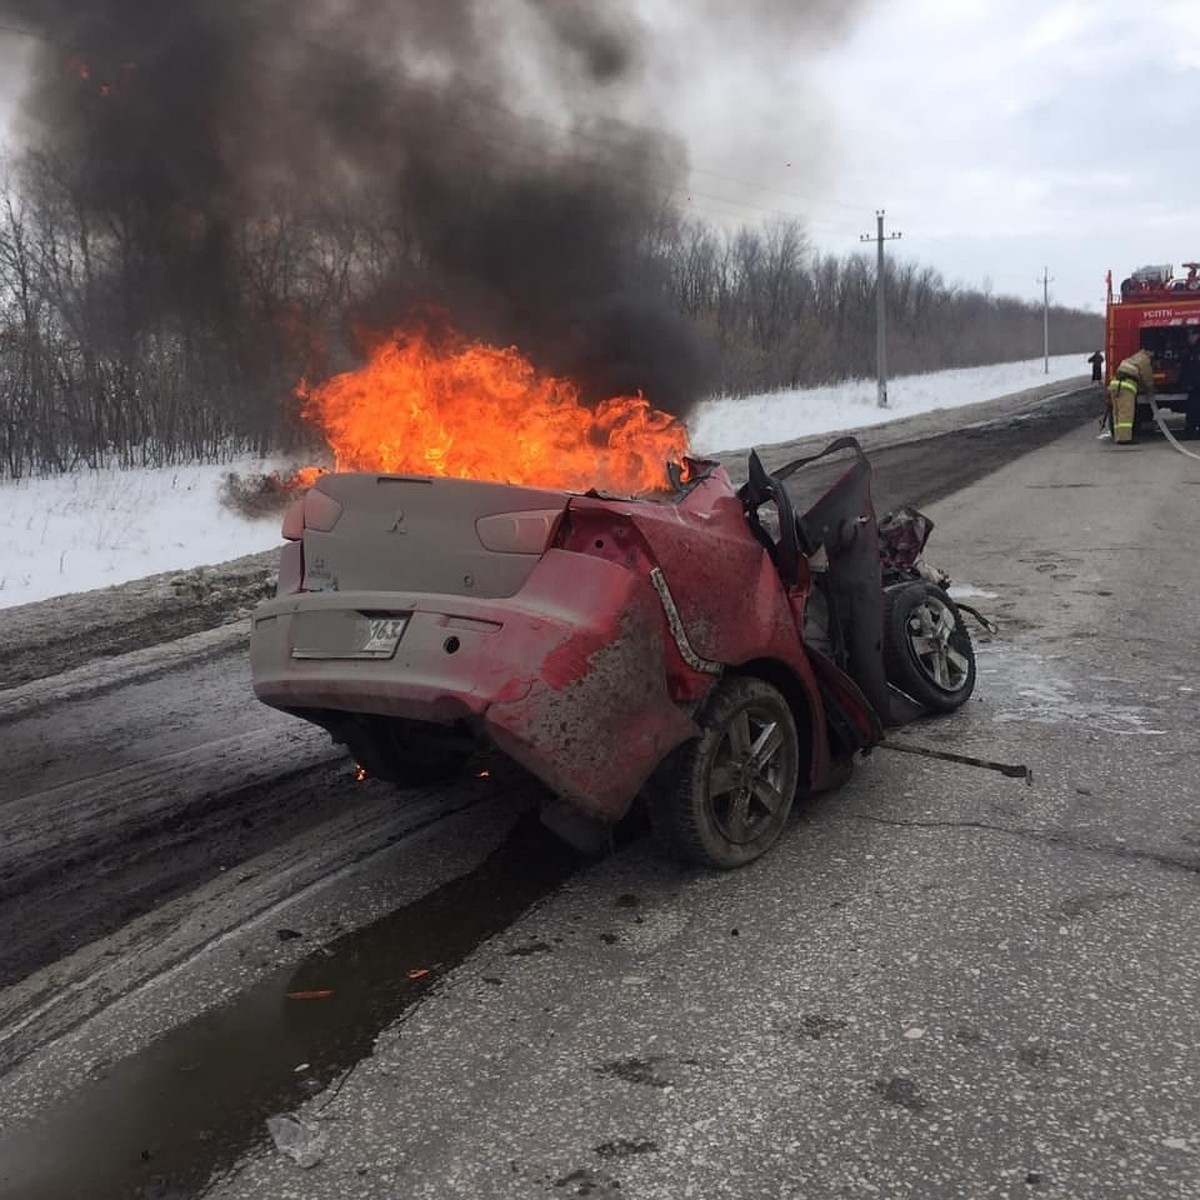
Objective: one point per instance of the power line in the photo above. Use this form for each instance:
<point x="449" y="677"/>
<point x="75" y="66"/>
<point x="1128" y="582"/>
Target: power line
<point x="1046" y="281"/>
<point x="600" y="139"/>
<point x="880" y="305"/>
<point x="540" y="151"/>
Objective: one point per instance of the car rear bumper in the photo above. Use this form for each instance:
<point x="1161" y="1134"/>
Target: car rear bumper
<point x="568" y="677"/>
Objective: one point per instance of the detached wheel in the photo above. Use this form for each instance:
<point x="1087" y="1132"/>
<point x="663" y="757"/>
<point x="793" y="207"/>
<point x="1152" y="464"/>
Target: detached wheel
<point x="927" y="650"/>
<point x="726" y="795"/>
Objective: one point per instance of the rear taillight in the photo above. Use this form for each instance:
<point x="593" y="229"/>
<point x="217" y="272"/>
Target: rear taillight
<point x="293" y="521"/>
<point x="291" y="557"/>
<point x="314" y="510"/>
<point x="321" y="512"/>
<point x="291" y="569"/>
<point x="520" y="532"/>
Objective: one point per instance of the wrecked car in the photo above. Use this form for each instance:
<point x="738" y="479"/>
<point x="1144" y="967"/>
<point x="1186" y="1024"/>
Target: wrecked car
<point x="711" y="651"/>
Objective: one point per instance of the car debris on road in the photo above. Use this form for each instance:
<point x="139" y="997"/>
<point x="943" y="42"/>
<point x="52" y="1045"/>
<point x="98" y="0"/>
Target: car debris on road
<point x="304" y="1142"/>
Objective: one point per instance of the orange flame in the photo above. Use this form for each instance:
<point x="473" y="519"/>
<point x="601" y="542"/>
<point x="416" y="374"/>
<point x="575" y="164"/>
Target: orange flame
<point x="472" y="411"/>
<point x="304" y="478"/>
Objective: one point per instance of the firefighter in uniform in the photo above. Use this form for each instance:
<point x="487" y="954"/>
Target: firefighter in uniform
<point x="1133" y="379"/>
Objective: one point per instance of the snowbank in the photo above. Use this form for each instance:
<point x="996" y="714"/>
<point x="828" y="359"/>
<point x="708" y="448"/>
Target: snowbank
<point x="92" y="528"/>
<point x="781" y="416"/>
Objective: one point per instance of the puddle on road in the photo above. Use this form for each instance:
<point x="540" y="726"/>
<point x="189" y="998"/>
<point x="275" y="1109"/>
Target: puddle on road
<point x="158" y="1124"/>
<point x="1024" y="687"/>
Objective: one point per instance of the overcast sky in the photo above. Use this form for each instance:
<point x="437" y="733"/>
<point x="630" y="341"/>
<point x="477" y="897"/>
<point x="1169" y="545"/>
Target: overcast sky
<point x="1000" y="136"/>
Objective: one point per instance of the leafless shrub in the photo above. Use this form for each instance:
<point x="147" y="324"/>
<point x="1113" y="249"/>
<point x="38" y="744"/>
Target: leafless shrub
<point x="256" y="496"/>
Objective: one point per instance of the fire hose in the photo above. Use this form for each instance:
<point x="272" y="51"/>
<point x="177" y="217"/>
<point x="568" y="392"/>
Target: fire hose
<point x="1162" y="425"/>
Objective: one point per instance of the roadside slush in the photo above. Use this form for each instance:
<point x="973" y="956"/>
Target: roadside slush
<point x="52" y="636"/>
<point x="68" y="632"/>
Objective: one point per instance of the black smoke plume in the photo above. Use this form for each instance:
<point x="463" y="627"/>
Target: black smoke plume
<point x="505" y="146"/>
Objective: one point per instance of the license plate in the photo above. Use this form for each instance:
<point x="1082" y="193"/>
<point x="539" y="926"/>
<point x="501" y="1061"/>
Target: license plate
<point x="346" y="635"/>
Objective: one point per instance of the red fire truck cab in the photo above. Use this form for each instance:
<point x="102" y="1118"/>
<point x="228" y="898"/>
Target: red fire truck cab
<point x="1154" y="310"/>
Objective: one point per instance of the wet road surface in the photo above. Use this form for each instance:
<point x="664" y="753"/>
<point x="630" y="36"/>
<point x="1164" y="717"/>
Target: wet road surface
<point x="198" y="1097"/>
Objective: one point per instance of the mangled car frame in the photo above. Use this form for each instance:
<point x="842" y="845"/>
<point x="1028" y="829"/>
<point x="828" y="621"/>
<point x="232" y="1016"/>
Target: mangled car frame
<point x="710" y="651"/>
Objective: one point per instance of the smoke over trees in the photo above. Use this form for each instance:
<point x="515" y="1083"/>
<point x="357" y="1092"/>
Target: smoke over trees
<point x="213" y="194"/>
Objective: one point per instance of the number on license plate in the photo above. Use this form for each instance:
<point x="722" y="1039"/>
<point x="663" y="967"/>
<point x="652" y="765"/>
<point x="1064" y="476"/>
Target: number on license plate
<point x="382" y="636"/>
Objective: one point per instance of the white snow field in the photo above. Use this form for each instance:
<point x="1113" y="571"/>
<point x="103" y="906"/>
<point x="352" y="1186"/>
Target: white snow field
<point x="93" y="528"/>
<point x="781" y="416"/>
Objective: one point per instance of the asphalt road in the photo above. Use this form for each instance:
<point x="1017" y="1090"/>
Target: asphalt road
<point x="942" y="983"/>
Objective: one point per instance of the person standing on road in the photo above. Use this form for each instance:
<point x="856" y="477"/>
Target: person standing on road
<point x="1097" y="361"/>
<point x="1133" y="379"/>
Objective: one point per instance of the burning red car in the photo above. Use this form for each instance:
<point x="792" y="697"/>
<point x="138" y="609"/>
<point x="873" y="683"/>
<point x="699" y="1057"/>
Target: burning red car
<point x="702" y="646"/>
<point x="611" y="646"/>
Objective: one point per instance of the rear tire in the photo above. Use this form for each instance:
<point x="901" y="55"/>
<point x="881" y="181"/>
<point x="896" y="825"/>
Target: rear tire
<point x="727" y="794"/>
<point x="927" y="650"/>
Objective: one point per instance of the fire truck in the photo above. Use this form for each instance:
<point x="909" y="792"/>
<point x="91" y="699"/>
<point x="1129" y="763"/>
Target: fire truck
<point x="1153" y="310"/>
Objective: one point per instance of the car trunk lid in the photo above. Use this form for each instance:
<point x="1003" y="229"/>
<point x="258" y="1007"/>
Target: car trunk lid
<point x="402" y="533"/>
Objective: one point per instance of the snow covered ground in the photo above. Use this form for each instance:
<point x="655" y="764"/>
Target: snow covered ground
<point x="780" y="416"/>
<point x="90" y="529"/>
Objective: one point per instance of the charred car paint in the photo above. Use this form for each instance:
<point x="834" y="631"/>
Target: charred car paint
<point x="611" y="646"/>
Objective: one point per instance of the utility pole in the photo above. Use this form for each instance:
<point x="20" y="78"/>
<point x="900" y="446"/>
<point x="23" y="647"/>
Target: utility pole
<point x="1046" y="281"/>
<point x="880" y="306"/>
